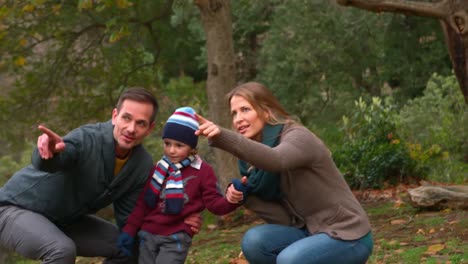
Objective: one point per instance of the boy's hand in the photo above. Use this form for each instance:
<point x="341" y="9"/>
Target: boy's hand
<point x="194" y="221"/>
<point x="238" y="190"/>
<point x="125" y="243"/>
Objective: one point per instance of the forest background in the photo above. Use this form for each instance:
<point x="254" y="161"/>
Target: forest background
<point x="378" y="89"/>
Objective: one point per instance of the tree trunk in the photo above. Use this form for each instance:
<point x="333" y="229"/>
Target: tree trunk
<point x="453" y="15"/>
<point x="217" y="24"/>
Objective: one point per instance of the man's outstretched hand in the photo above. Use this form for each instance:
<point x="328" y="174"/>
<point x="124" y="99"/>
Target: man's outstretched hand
<point x="49" y="143"/>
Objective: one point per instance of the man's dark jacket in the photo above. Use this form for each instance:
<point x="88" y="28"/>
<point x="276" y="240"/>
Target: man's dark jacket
<point x="80" y="180"/>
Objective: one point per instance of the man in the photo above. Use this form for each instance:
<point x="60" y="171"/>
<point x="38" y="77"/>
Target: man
<point x="46" y="208"/>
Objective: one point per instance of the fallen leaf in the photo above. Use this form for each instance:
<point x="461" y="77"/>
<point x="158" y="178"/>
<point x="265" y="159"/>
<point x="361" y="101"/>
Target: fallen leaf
<point x="398" y="203"/>
<point x="435" y="248"/>
<point x="212" y="227"/>
<point x="398" y="222"/>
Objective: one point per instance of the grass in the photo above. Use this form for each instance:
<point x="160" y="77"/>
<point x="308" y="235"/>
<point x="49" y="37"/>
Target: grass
<point x="402" y="234"/>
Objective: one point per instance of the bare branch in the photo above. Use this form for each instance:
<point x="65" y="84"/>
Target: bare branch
<point x="453" y="16"/>
<point x="440" y="10"/>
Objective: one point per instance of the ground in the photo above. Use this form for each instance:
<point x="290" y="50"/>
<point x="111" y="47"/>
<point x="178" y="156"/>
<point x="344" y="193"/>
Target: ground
<point x="402" y="233"/>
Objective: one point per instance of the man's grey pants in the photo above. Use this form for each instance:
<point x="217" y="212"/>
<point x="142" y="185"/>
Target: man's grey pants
<point x="33" y="236"/>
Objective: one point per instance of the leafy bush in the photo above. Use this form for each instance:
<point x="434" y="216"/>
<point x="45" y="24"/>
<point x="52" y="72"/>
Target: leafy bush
<point x="372" y="152"/>
<point x="436" y="129"/>
<point x="427" y="138"/>
<point x="9" y="165"/>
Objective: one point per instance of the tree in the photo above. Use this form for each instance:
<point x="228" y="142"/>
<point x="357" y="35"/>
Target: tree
<point x="407" y="72"/>
<point x="251" y="22"/>
<point x="453" y="18"/>
<point x="69" y="60"/>
<point x="317" y="70"/>
<point x="217" y="24"/>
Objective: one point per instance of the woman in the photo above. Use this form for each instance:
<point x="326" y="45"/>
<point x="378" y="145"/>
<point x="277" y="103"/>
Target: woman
<point x="291" y="182"/>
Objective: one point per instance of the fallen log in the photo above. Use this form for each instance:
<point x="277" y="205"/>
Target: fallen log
<point x="440" y="197"/>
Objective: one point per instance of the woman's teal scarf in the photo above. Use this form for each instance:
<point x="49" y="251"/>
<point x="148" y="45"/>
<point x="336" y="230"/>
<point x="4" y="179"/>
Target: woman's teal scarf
<point x="264" y="184"/>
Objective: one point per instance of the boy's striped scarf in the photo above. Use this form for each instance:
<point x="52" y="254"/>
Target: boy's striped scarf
<point x="168" y="174"/>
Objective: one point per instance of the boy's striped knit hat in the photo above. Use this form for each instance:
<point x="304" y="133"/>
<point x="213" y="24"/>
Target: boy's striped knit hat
<point x="181" y="126"/>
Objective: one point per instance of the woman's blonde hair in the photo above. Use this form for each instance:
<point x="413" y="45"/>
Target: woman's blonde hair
<point x="263" y="101"/>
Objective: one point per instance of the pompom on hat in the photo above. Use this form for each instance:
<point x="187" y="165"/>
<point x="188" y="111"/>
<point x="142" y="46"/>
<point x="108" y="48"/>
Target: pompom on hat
<point x="181" y="126"/>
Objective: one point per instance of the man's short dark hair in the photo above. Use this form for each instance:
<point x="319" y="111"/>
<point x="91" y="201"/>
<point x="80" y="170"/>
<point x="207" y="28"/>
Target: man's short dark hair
<point x="139" y="94"/>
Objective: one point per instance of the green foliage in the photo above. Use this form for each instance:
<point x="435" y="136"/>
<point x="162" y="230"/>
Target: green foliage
<point x="69" y="61"/>
<point x="181" y="91"/>
<point x="427" y="138"/>
<point x="414" y="48"/>
<point x="318" y="57"/>
<point x="184" y="91"/>
<point x="328" y="132"/>
<point x="251" y="22"/>
<point x="9" y="165"/>
<point x="372" y="153"/>
<point x="440" y="115"/>
<point x="436" y="127"/>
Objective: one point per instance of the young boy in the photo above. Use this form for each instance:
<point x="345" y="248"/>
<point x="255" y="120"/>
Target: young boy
<point x="180" y="184"/>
